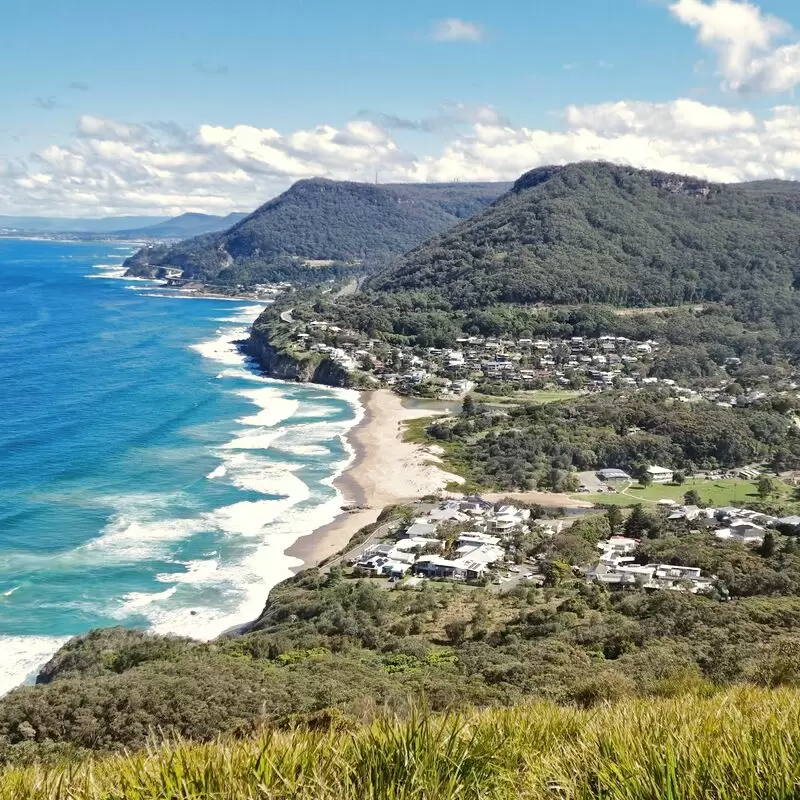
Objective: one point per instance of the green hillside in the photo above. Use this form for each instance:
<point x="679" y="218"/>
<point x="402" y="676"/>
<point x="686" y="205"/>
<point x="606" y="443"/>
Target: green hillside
<point x="737" y="745"/>
<point x="350" y="225"/>
<point x="602" y="233"/>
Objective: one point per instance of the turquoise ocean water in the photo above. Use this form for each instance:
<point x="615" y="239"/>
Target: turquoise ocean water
<point x="148" y="477"/>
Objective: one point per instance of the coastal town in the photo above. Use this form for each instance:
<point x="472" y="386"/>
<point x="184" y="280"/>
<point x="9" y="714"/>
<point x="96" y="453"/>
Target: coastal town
<point x="472" y="541"/>
<point x="504" y="365"/>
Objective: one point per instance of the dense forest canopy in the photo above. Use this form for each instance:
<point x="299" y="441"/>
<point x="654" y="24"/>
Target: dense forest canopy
<point x="538" y="445"/>
<point x="603" y="233"/>
<point x="350" y="224"/>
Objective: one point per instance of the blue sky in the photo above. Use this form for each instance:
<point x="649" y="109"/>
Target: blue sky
<point x="178" y="95"/>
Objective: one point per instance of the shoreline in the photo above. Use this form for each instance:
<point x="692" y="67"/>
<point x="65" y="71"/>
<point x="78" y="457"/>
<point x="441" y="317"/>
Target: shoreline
<point x="387" y="470"/>
<point x="384" y="470"/>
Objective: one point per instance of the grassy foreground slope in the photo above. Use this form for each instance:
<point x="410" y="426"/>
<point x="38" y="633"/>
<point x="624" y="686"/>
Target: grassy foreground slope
<point x="737" y="744"/>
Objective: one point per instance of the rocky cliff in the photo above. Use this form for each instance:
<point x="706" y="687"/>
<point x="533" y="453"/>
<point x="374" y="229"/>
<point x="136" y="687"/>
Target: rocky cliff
<point x="285" y="365"/>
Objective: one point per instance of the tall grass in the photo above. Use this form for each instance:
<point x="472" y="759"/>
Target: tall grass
<point x="733" y="745"/>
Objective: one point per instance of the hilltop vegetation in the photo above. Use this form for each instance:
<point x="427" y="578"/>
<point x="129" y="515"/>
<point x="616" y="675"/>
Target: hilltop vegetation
<point x="731" y="746"/>
<point x="602" y="233"/>
<point x="349" y="227"/>
<point x="539" y="445"/>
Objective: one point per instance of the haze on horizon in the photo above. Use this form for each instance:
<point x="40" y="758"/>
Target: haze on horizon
<point x="214" y="111"/>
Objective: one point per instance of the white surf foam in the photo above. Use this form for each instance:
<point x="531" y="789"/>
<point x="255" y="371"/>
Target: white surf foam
<point x="260" y="439"/>
<point x="214" y="595"/>
<point x="245" y="314"/>
<point x="199" y="571"/>
<point x="305" y="449"/>
<point x="217" y="472"/>
<point x="131" y="539"/>
<point x="134" y="602"/>
<point x="274" y="406"/>
<point x="108" y="272"/>
<point x="242" y="374"/>
<point x="223" y="348"/>
<point x="22" y="656"/>
<point x="256" y="474"/>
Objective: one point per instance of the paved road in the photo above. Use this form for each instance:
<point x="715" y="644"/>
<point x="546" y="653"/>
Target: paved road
<point x="378" y="533"/>
<point x="286" y="316"/>
<point x="591" y="481"/>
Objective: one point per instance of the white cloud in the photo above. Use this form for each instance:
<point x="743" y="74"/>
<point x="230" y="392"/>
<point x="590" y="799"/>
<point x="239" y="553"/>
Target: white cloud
<point x="454" y="29"/>
<point x="112" y="167"/>
<point x="682" y="117"/>
<point x="745" y="40"/>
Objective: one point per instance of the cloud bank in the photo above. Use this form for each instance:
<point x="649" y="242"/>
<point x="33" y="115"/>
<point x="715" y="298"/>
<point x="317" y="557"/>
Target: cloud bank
<point x="116" y="167"/>
<point x="746" y="41"/>
<point x="111" y="166"/>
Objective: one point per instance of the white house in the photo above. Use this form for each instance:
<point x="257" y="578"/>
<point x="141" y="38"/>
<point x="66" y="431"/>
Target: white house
<point x="660" y="474"/>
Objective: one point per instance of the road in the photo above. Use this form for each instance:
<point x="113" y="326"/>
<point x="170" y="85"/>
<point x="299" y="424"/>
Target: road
<point x="286" y="316"/>
<point x="380" y="532"/>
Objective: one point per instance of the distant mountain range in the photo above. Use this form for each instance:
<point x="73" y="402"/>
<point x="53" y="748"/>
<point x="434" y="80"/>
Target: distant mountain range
<point x="184" y="226"/>
<point x="321" y="224"/>
<point x="131" y="227"/>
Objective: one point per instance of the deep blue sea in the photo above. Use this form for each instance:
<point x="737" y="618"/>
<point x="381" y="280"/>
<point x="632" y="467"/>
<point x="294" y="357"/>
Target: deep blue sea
<point x="148" y="477"/>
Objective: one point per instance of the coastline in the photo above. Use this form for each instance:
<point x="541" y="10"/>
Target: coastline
<point x="386" y="470"/>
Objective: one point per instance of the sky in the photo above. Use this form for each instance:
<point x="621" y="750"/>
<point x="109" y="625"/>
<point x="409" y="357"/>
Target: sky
<point x="160" y="107"/>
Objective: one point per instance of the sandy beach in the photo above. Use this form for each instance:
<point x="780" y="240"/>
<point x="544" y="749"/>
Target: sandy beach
<point x="387" y="470"/>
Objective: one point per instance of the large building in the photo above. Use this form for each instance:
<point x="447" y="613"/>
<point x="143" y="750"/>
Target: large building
<point x="660" y="474"/>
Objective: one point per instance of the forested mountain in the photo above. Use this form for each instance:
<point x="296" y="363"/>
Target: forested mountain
<point x="603" y="233"/>
<point x="340" y="226"/>
<point x="184" y="226"/>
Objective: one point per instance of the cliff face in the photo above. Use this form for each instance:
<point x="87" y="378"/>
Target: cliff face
<point x="279" y="364"/>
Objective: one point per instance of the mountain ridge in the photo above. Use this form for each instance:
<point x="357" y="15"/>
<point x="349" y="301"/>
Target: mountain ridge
<point x="594" y="232"/>
<point x="347" y="225"/>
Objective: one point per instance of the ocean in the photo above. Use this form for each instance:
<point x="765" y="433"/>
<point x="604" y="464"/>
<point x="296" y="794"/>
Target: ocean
<point x="148" y="476"/>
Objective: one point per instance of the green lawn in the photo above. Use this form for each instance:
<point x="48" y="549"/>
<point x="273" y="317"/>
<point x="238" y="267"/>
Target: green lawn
<point x="714" y="493"/>
<point x="525" y="396"/>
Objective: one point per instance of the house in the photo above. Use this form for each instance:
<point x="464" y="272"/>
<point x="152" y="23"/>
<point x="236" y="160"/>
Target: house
<point x="742" y="530"/>
<point x="474" y="539"/>
<point x="613" y="475"/>
<point x="660" y="474"/>
<point x="507" y="518"/>
<point x="421" y="529"/>
<point x="650" y="576"/>
<point x="447" y="514"/>
<point x="618" y="546"/>
<point x="688" y="513"/>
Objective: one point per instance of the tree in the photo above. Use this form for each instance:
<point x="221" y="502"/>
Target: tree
<point x="679" y="478"/>
<point x="645" y="479"/>
<point x="638" y="522"/>
<point x="692" y="498"/>
<point x="570" y="482"/>
<point x="765" y="487"/>
<point x="767" y="548"/>
<point x="614" y="517"/>
<point x="556" y="572"/>
<point x="456" y="630"/>
<point x="468" y="406"/>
